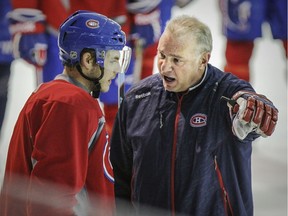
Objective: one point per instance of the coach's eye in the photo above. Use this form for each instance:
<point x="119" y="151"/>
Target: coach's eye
<point x="178" y="61"/>
<point x="161" y="55"/>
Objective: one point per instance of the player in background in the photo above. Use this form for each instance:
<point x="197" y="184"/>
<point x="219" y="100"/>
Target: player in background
<point x="6" y="57"/>
<point x="115" y="10"/>
<point x="59" y="148"/>
<point x="46" y="17"/>
<point x="242" y="24"/>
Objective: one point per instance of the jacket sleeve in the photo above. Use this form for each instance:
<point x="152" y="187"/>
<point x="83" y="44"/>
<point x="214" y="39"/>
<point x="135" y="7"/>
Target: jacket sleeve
<point x="121" y="159"/>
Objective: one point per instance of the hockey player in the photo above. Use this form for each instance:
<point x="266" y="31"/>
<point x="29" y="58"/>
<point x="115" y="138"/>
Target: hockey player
<point x="6" y="57"/>
<point x="116" y="10"/>
<point x="182" y="139"/>
<point x="242" y="24"/>
<point x="59" y="148"/>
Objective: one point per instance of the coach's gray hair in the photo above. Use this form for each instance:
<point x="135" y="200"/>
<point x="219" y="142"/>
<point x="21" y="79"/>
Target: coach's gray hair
<point x="185" y="25"/>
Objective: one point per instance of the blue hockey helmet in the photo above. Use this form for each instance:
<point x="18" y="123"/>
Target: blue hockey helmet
<point x="86" y="29"/>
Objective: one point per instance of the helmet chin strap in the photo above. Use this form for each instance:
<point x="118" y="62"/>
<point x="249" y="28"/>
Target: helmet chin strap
<point x="96" y="92"/>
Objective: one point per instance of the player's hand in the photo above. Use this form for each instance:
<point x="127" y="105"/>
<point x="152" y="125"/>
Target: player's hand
<point x="27" y="27"/>
<point x="252" y="112"/>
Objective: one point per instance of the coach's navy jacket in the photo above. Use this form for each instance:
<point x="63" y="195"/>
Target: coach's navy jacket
<point x="177" y="151"/>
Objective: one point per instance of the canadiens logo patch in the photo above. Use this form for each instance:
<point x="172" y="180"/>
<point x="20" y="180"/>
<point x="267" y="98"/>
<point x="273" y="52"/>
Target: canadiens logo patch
<point x="108" y="170"/>
<point x="198" y="120"/>
<point x="40" y="54"/>
<point x="91" y="23"/>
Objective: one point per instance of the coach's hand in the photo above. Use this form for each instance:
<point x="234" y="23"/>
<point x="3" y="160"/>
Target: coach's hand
<point x="252" y="112"/>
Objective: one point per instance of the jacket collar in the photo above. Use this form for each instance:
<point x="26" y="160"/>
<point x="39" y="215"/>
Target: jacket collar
<point x="201" y="81"/>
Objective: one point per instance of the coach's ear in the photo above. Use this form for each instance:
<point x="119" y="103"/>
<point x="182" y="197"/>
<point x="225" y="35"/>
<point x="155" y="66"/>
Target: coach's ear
<point x="204" y="60"/>
<point x="206" y="57"/>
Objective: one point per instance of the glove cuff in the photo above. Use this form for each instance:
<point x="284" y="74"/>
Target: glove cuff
<point x="26" y="15"/>
<point x="27" y="28"/>
<point x="26" y="21"/>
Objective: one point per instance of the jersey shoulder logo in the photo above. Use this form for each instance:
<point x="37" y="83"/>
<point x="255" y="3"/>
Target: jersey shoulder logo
<point x="107" y="166"/>
<point x="198" y="120"/>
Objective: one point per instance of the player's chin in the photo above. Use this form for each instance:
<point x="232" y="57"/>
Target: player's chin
<point x="105" y="86"/>
<point x="106" y="89"/>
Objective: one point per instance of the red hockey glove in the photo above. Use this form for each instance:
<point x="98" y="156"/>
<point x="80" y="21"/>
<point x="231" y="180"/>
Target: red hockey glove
<point x="252" y="112"/>
<point x="27" y="27"/>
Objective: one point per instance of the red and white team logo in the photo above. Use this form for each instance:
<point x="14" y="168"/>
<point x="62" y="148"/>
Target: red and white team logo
<point x="40" y="54"/>
<point x="91" y="23"/>
<point x="108" y="169"/>
<point x="198" y="120"/>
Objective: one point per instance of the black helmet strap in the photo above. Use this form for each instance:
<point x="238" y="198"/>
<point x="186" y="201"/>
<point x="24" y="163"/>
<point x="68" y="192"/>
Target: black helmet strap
<point x="95" y="93"/>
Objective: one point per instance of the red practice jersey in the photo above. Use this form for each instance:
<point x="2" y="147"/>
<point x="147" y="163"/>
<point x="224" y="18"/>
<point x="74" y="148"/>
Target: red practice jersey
<point x="59" y="140"/>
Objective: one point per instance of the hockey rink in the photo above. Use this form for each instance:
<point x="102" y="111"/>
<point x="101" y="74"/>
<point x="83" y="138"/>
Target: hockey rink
<point x="268" y="77"/>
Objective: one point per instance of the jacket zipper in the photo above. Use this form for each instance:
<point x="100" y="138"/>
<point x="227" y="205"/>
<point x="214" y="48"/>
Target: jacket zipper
<point x="173" y="158"/>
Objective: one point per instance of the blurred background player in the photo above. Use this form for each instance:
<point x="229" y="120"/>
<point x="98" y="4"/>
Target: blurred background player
<point x="242" y="23"/>
<point x="5" y="57"/>
<point x="46" y="17"/>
